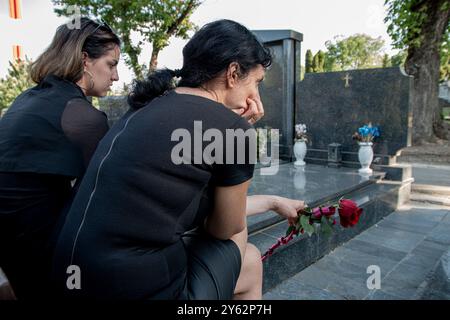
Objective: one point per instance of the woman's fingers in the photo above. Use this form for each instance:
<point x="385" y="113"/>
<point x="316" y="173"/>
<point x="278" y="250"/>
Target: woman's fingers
<point x="288" y="208"/>
<point x="255" y="110"/>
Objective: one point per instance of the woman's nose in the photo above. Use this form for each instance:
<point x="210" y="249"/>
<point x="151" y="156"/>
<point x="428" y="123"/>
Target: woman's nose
<point x="115" y="76"/>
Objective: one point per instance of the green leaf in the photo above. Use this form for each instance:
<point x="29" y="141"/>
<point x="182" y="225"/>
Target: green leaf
<point x="326" y="228"/>
<point x="309" y="229"/>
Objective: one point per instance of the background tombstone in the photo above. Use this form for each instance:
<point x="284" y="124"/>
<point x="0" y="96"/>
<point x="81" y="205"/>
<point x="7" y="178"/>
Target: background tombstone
<point x="334" y="105"/>
<point x="278" y="90"/>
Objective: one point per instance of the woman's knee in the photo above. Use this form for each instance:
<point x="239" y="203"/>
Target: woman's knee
<point x="252" y="259"/>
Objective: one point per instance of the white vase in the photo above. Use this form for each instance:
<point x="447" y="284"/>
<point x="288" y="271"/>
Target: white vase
<point x="300" y="152"/>
<point x="365" y="156"/>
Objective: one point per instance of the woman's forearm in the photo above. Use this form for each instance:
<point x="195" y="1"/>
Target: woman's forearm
<point x="260" y="203"/>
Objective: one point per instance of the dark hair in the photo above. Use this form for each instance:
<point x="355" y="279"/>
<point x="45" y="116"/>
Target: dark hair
<point x="63" y="57"/>
<point x="210" y="51"/>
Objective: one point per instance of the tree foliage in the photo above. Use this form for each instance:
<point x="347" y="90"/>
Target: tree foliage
<point x="308" y="61"/>
<point x="422" y="28"/>
<point x="156" y="21"/>
<point x="399" y="58"/>
<point x="359" y="51"/>
<point x="406" y="20"/>
<point x="15" y="82"/>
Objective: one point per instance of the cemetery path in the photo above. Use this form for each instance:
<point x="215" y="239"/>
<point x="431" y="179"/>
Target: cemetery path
<point x="403" y="248"/>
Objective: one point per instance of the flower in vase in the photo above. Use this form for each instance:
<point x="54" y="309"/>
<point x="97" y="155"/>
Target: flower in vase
<point x="300" y="133"/>
<point x="367" y="133"/>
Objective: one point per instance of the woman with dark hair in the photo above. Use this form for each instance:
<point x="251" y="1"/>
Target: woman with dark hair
<point x="47" y="138"/>
<point x="154" y="220"/>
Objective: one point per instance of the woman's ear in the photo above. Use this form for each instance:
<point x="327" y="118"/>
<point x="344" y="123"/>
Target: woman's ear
<point x="232" y="74"/>
<point x="84" y="57"/>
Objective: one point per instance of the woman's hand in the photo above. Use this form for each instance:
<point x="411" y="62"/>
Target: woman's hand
<point x="254" y="111"/>
<point x="285" y="207"/>
<point x="288" y="208"/>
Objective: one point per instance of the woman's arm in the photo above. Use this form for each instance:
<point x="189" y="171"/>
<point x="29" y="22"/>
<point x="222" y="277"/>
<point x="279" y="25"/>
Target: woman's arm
<point x="285" y="207"/>
<point x="229" y="214"/>
<point x="84" y="126"/>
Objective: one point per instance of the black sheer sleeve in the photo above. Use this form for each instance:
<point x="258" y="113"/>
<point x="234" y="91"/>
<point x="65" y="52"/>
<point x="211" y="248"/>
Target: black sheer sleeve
<point x="84" y="126"/>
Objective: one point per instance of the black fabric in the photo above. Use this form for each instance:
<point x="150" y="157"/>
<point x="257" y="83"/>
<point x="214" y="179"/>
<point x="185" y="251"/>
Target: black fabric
<point x="29" y="208"/>
<point x="84" y="126"/>
<point x="213" y="267"/>
<point x="125" y="225"/>
<point x="31" y="135"/>
<point x="46" y="139"/>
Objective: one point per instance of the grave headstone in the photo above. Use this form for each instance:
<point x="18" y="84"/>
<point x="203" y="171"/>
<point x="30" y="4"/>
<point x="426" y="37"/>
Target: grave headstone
<point x="334" y="105"/>
<point x="278" y="90"/>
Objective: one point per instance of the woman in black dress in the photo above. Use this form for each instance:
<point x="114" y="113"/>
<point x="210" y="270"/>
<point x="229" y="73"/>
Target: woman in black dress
<point x="47" y="138"/>
<point x="158" y="215"/>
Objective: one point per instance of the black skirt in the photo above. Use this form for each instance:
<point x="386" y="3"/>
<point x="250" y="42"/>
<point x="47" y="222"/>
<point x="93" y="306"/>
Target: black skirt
<point x="30" y="205"/>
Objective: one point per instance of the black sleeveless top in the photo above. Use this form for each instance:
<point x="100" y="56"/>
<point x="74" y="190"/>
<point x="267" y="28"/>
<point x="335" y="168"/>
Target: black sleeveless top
<point x="32" y="136"/>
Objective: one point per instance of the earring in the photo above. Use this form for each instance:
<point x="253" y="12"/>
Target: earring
<point x="91" y="80"/>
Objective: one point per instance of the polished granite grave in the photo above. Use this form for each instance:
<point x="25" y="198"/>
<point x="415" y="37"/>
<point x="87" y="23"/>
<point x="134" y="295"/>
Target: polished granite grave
<point x="378" y="195"/>
<point x="314" y="184"/>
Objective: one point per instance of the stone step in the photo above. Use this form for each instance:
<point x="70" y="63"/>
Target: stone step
<point x="430" y="189"/>
<point x="428" y="198"/>
<point x="405" y="246"/>
<point x="424" y="158"/>
<point x="378" y="200"/>
<point x="427" y="154"/>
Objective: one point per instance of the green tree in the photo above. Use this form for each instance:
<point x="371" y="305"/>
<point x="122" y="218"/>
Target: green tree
<point x="422" y="28"/>
<point x="316" y="63"/>
<point x="359" y="51"/>
<point x="15" y="82"/>
<point x="386" y="63"/>
<point x="445" y="63"/>
<point x="155" y="20"/>
<point x="308" y="62"/>
<point x="399" y="58"/>
<point x="320" y="61"/>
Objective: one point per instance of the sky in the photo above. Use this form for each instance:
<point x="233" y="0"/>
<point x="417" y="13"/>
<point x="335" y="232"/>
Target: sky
<point x="317" y="20"/>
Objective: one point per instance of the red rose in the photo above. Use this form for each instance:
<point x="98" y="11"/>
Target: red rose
<point x="316" y="213"/>
<point x="325" y="211"/>
<point x="328" y="211"/>
<point x="349" y="213"/>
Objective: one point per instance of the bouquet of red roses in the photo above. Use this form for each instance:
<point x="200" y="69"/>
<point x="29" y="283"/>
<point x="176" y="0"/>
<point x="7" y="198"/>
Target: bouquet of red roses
<point x="320" y="218"/>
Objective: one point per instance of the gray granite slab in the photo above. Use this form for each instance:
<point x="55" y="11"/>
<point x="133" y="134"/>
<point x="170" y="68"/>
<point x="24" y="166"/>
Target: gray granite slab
<point x="364" y="260"/>
<point x="296" y="290"/>
<point x="332" y="282"/>
<point x="425" y="254"/>
<point x="440" y="234"/>
<point x="375" y="250"/>
<point x="391" y="238"/>
<point x="381" y="295"/>
<point x="423" y="229"/>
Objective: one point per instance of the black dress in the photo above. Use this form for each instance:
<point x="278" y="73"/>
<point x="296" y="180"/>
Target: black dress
<point x="127" y="227"/>
<point x="47" y="138"/>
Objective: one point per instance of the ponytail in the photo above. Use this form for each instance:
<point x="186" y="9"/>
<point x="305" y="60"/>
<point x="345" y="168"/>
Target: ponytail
<point x="154" y="85"/>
